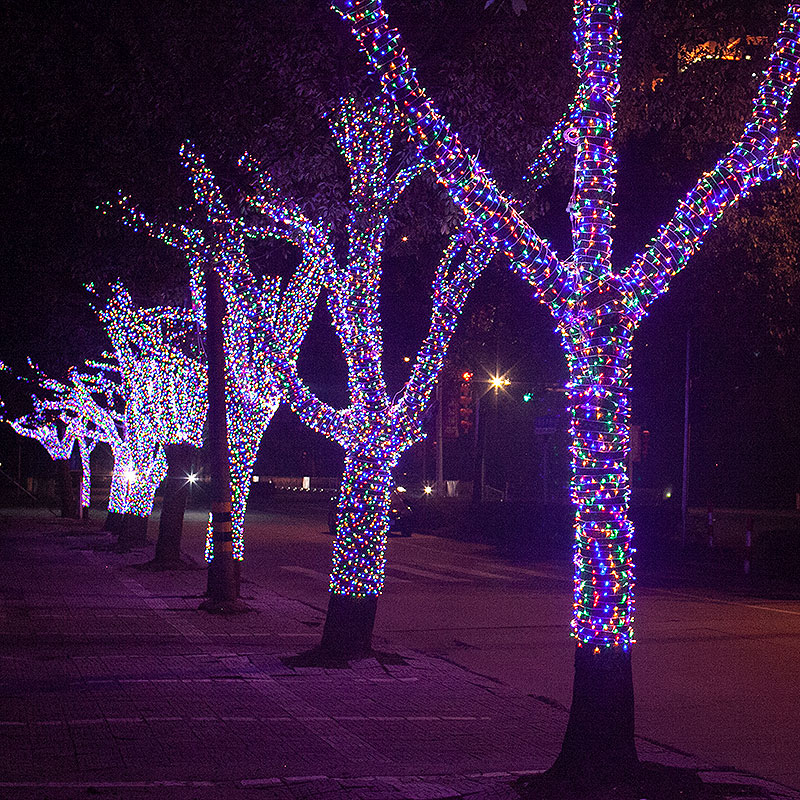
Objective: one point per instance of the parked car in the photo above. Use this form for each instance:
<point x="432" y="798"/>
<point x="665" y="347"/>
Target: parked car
<point x="400" y="513"/>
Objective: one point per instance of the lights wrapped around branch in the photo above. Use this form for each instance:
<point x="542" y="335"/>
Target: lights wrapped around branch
<point x="596" y="307"/>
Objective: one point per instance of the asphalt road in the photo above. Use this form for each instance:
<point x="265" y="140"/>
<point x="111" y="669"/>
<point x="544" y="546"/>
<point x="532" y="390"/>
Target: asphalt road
<point x="716" y="675"/>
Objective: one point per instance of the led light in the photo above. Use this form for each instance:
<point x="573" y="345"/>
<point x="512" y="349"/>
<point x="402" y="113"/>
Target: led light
<point x="596" y="307"/>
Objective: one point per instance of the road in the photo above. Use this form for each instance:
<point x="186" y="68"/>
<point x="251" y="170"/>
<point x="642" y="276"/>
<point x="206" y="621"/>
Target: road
<point x="715" y="675"/>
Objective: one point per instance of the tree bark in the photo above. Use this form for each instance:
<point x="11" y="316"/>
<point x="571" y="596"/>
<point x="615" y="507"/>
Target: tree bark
<point x="113" y="523"/>
<point x="223" y="571"/>
<point x="175" y="494"/>
<point x="65" y="491"/>
<point x="347" y="634"/>
<point x="599" y="746"/>
<point x="133" y="532"/>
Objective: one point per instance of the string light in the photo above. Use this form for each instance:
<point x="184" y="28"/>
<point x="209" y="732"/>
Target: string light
<point x="375" y="430"/>
<point x="259" y="316"/>
<point x="80" y="411"/>
<point x="596" y="308"/>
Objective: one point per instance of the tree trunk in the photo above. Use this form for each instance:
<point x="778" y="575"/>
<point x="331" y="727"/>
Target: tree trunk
<point x="175" y="494"/>
<point x="114" y="521"/>
<point x="359" y="557"/>
<point x="133" y="532"/>
<point x="348" y="627"/>
<point x="66" y="494"/>
<point x="223" y="571"/>
<point x="599" y="743"/>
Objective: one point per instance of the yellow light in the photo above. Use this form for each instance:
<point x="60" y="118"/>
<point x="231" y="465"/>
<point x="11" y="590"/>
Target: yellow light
<point x="498" y="382"/>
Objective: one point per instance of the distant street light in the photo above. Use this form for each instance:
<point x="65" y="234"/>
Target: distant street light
<point x="499" y="382"/>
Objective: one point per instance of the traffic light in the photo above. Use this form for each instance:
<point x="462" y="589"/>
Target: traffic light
<point x="466" y="411"/>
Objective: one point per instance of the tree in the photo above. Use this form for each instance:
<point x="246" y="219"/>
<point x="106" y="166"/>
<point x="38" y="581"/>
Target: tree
<point x="374" y="430"/>
<point x="218" y="240"/>
<point x="59" y="428"/>
<point x="164" y="373"/>
<point x="597" y="308"/>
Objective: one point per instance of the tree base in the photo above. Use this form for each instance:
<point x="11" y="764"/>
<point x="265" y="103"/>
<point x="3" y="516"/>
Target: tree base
<point x="114" y="522"/>
<point x="133" y="533"/>
<point x="347" y="634"/>
<point x="223" y="579"/>
<point x="599" y="746"/>
<point x="653" y="781"/>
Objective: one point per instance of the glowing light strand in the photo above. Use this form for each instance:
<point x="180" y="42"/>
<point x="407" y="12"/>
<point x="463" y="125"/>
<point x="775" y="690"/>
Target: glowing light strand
<point x="596" y="309"/>
<point x="374" y="430"/>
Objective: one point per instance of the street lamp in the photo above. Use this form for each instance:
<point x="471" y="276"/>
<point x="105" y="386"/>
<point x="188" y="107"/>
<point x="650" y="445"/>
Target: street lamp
<point x="497" y="382"/>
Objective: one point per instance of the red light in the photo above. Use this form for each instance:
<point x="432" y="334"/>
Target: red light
<point x="467" y="376"/>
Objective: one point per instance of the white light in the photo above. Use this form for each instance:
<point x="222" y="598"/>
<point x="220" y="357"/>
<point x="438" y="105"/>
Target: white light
<point x="401" y="489"/>
<point x="129" y="475"/>
<point x="192" y="477"/>
<point x="428" y="490"/>
<point x="498" y="382"/>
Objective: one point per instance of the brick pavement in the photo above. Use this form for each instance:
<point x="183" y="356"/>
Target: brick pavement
<point x="113" y="684"/>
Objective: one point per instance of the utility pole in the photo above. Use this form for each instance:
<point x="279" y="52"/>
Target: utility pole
<point x="685" y="475"/>
<point x="439" y="439"/>
<point x="223" y="571"/>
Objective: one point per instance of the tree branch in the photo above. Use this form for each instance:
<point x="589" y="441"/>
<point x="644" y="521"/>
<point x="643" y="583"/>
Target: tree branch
<point x="470" y="187"/>
<point x="750" y="162"/>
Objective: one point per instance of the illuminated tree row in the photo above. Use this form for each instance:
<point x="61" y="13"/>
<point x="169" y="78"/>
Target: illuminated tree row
<point x="597" y="306"/>
<point x="257" y="311"/>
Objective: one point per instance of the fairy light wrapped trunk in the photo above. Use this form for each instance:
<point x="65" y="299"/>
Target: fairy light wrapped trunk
<point x="102" y="400"/>
<point x="164" y="383"/>
<point x="597" y="307"/>
<point x="374" y="430"/>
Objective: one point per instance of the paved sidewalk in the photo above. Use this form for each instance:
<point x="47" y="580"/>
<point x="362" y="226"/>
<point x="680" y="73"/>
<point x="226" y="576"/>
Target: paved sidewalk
<point x="113" y="684"/>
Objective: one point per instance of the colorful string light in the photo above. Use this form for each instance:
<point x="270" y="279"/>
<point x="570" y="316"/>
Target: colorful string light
<point x="78" y="412"/>
<point x="256" y="311"/>
<point x="596" y="308"/>
<point x="374" y="430"/>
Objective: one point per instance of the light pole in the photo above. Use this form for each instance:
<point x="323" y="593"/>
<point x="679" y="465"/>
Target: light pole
<point x="496" y="383"/>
